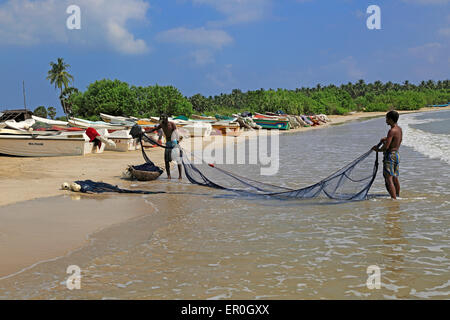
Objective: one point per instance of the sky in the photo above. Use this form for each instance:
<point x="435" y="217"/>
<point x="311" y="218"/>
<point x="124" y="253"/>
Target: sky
<point x="214" y="46"/>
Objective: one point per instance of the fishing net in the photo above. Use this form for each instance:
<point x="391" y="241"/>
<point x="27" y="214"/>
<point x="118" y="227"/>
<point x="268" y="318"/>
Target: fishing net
<point x="89" y="186"/>
<point x="352" y="182"/>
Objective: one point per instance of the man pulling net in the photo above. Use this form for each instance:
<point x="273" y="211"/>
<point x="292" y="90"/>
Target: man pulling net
<point x="172" y="150"/>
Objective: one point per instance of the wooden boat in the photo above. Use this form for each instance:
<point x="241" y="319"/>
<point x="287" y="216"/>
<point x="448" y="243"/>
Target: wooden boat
<point x="273" y="123"/>
<point x="225" y="118"/>
<point x="51" y="122"/>
<point x="203" y="118"/>
<point x="123" y="140"/>
<point x="227" y="128"/>
<point x="271" y="117"/>
<point x="117" y="119"/>
<point x="56" y="145"/>
<point x="198" y="129"/>
<point x="81" y="123"/>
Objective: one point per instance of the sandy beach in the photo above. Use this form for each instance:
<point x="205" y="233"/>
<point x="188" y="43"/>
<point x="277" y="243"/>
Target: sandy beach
<point x="31" y="237"/>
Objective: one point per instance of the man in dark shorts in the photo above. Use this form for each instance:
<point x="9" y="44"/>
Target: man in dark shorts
<point x="172" y="141"/>
<point x="391" y="158"/>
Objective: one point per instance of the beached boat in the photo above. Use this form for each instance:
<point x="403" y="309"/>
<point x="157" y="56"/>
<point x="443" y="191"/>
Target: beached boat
<point x="271" y="117"/>
<point x="81" y="123"/>
<point x="123" y="140"/>
<point x="439" y="105"/>
<point x="273" y="123"/>
<point x="203" y="118"/>
<point x="56" y="145"/>
<point x="227" y="128"/>
<point x="22" y="125"/>
<point x="117" y="119"/>
<point x="51" y="122"/>
<point x="225" y="118"/>
<point x="147" y="122"/>
<point x="198" y="129"/>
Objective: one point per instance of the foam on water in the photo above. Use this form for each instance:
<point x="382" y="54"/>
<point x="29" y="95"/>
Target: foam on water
<point x="434" y="146"/>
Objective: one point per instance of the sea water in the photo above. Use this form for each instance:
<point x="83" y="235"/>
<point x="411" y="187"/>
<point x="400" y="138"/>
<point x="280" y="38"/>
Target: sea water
<point x="195" y="243"/>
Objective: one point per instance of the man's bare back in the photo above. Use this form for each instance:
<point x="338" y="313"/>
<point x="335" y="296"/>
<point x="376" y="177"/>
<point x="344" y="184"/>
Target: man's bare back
<point x="397" y="136"/>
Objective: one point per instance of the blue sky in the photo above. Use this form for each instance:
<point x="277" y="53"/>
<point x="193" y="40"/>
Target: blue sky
<point x="214" y="46"/>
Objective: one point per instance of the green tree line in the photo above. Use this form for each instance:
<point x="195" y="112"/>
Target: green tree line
<point x="118" y="98"/>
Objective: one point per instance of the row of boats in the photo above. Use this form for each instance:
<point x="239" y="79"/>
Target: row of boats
<point x="40" y="137"/>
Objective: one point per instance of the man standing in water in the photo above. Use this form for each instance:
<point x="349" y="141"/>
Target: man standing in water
<point x="391" y="159"/>
<point x="172" y="141"/>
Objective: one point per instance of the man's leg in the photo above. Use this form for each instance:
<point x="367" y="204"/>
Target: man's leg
<point x="397" y="186"/>
<point x="179" y="172"/>
<point x="390" y="185"/>
<point x="168" y="170"/>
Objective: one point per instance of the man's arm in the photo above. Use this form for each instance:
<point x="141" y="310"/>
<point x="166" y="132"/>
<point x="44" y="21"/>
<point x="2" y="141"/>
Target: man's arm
<point x="386" y="142"/>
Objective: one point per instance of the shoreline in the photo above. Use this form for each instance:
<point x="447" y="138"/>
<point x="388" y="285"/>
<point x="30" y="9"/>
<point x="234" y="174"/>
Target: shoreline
<point x="25" y="179"/>
<point x="39" y="237"/>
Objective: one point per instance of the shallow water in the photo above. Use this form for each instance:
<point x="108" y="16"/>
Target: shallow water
<point x="196" y="243"/>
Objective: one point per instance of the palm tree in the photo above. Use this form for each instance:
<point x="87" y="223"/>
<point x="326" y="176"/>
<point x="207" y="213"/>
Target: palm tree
<point x="65" y="99"/>
<point x="59" y="76"/>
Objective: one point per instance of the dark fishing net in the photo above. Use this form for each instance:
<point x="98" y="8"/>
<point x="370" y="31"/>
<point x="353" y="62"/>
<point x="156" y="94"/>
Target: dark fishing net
<point x="352" y="182"/>
<point x="89" y="186"/>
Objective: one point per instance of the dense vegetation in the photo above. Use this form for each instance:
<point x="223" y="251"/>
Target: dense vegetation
<point x="119" y="98"/>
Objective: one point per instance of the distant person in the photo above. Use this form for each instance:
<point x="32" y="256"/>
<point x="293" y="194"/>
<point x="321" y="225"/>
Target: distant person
<point x="391" y="158"/>
<point x="173" y="139"/>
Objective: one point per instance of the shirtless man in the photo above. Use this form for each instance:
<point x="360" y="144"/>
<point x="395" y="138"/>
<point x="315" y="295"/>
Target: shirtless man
<point x="391" y="159"/>
<point x="169" y="128"/>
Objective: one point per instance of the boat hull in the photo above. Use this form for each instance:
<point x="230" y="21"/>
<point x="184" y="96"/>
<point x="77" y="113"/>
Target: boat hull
<point x="43" y="146"/>
<point x="273" y="124"/>
<point x="199" y="130"/>
<point x="228" y="129"/>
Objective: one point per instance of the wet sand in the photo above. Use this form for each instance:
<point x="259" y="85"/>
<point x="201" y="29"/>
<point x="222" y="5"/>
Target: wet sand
<point x="28" y="236"/>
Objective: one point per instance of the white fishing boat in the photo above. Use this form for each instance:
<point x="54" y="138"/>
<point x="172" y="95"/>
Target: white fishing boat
<point x="198" y="129"/>
<point x="123" y="140"/>
<point x="81" y="123"/>
<point x="56" y="145"/>
<point x="118" y="120"/>
<point x="22" y="125"/>
<point x="51" y="122"/>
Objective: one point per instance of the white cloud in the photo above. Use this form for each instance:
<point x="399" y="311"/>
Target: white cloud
<point x="444" y="32"/>
<point x="348" y="66"/>
<point x="199" y="37"/>
<point x="430" y="52"/>
<point x="202" y="57"/>
<point x="201" y="42"/>
<point x="222" y="78"/>
<point x="238" y="11"/>
<point x="26" y="22"/>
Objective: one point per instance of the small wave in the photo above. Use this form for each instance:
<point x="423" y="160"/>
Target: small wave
<point x="434" y="146"/>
